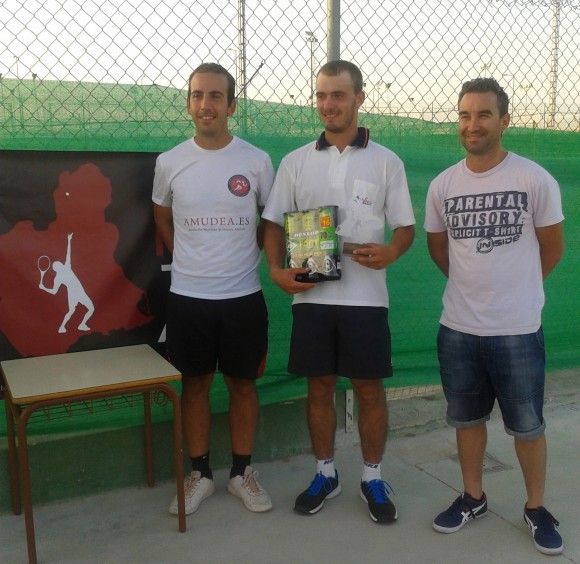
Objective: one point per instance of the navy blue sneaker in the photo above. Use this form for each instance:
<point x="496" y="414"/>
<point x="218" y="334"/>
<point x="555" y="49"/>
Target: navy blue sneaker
<point x="543" y="526"/>
<point x="321" y="488"/>
<point x="460" y="512"/>
<point x="376" y="494"/>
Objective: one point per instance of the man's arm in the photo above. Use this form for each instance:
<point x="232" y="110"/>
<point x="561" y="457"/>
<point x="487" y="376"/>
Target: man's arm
<point x="551" y="243"/>
<point x="275" y="251"/>
<point x="260" y="228"/>
<point x="164" y="224"/>
<point x="68" y="259"/>
<point x="374" y="255"/>
<point x="438" y="245"/>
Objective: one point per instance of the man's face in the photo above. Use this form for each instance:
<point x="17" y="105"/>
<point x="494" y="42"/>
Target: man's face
<point x="480" y="125"/>
<point x="208" y="104"/>
<point x="336" y="102"/>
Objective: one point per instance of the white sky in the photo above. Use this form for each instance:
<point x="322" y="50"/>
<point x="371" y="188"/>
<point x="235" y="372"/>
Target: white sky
<point x="424" y="48"/>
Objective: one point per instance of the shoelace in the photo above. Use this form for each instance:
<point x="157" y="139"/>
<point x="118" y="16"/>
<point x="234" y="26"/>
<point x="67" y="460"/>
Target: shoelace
<point x="542" y="514"/>
<point x="251" y="483"/>
<point x="318" y="483"/>
<point x="380" y="490"/>
<point x="191" y="482"/>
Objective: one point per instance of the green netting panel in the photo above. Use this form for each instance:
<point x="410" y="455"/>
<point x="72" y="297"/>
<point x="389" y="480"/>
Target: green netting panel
<point x="415" y="284"/>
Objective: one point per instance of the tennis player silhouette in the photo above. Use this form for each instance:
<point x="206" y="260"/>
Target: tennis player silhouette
<point x="65" y="276"/>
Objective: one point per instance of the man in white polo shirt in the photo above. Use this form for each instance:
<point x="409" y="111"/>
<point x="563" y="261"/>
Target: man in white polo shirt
<point x="207" y="194"/>
<point x="340" y="328"/>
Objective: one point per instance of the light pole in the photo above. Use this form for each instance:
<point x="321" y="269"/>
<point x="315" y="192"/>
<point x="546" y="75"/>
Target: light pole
<point x="381" y="84"/>
<point x="525" y="88"/>
<point x="236" y="57"/>
<point x="512" y="95"/>
<point x="387" y="88"/>
<point x="311" y="38"/>
<point x="485" y="67"/>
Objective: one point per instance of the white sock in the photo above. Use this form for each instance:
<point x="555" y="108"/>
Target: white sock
<point x="326" y="467"/>
<point x="371" y="472"/>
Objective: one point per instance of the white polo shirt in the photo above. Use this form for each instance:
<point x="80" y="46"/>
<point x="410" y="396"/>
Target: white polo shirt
<point x="368" y="184"/>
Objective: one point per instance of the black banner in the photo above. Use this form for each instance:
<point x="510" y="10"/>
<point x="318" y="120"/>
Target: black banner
<point x="80" y="266"/>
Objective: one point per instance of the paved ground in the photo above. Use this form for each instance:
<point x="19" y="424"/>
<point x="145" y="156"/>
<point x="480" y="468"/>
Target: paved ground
<point x="133" y="526"/>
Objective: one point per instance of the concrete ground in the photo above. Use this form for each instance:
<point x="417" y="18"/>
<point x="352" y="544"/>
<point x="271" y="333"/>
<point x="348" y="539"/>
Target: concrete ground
<point x="133" y="525"/>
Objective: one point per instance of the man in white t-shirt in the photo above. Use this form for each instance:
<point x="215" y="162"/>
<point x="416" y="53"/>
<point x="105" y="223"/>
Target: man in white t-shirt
<point x="340" y="328"/>
<point x="207" y="195"/>
<point x="494" y="228"/>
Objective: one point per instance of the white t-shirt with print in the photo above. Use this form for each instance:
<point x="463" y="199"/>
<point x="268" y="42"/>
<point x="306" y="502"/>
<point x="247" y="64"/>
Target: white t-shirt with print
<point x="214" y="196"/>
<point x="495" y="276"/>
<point x="369" y="187"/>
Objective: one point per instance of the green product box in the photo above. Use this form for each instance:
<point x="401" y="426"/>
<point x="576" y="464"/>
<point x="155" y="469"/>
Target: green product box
<point x="312" y="242"/>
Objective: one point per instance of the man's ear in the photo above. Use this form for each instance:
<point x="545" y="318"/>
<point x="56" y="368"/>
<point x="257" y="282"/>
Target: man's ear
<point x="232" y="108"/>
<point x="505" y="121"/>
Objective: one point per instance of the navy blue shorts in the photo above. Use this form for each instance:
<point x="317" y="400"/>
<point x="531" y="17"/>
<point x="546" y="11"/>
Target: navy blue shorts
<point x="477" y="370"/>
<point x="349" y="341"/>
<point x="230" y="334"/>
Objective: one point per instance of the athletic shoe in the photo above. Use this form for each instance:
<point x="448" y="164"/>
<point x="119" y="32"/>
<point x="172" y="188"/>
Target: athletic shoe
<point x="249" y="490"/>
<point x="376" y="494"/>
<point x="543" y="526"/>
<point x="462" y="510"/>
<point x="196" y="490"/>
<point x="320" y="489"/>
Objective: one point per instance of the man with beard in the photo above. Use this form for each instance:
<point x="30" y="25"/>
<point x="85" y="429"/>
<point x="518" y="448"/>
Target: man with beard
<point x="340" y="328"/>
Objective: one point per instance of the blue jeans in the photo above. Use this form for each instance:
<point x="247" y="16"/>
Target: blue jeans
<point x="477" y="370"/>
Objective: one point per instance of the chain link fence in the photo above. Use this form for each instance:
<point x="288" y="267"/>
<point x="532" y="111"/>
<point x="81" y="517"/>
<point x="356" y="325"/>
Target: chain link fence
<point x="111" y="75"/>
<point x="82" y="73"/>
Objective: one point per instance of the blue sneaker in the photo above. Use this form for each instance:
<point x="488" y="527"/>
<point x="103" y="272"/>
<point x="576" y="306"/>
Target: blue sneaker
<point x="376" y="494"/>
<point x="321" y="488"/>
<point x="543" y="526"/>
<point x="460" y="512"/>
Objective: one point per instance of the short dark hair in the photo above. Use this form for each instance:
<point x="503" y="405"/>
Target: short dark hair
<point x="334" y="68"/>
<point x="487" y="85"/>
<point x="216" y="69"/>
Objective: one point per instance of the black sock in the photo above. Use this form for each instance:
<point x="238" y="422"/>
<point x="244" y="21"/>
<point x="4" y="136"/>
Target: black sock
<point x="239" y="463"/>
<point x="201" y="464"/>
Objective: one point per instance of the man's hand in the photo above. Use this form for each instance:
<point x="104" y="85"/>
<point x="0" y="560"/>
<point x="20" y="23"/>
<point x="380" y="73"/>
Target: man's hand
<point x="285" y="279"/>
<point x="375" y="256"/>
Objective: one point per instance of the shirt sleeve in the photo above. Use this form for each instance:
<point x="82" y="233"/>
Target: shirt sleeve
<point x="265" y="180"/>
<point x="434" y="222"/>
<point x="281" y="197"/>
<point x="548" y="204"/>
<point x="398" y="206"/>
<point x="161" y="186"/>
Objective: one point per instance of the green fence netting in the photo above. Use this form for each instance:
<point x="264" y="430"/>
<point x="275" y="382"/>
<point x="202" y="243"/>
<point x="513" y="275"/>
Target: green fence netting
<point x="73" y="116"/>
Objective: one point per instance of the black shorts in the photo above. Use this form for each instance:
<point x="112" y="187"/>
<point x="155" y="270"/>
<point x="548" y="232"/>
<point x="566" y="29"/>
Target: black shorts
<point x="349" y="341"/>
<point x="230" y="334"/>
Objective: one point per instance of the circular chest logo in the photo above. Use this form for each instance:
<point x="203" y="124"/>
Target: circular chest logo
<point x="239" y="185"/>
<point x="485" y="245"/>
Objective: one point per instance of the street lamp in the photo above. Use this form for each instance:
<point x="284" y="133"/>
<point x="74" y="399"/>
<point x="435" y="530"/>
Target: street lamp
<point x="525" y="88"/>
<point x="485" y="67"/>
<point x="236" y="57"/>
<point x="513" y="89"/>
<point x="311" y="38"/>
<point x="381" y="84"/>
<point x="387" y="88"/>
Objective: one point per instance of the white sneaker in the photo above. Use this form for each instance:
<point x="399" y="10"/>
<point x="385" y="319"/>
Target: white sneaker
<point x="196" y="490"/>
<point x="249" y="490"/>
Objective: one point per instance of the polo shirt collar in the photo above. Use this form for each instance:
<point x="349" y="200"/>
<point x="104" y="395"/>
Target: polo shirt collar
<point x="361" y="140"/>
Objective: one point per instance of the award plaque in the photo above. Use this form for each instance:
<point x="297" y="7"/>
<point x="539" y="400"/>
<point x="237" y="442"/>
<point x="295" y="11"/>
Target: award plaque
<point x="312" y="242"/>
